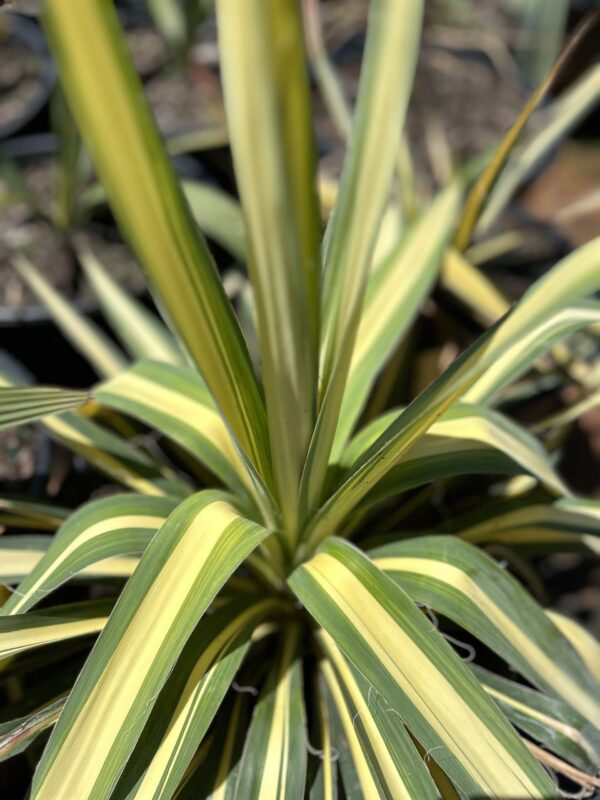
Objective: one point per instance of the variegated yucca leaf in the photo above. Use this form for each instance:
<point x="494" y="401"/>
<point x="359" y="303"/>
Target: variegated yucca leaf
<point x="380" y="630"/>
<point x="25" y="631"/>
<point x="195" y="551"/>
<point x="565" y="524"/>
<point x="114" y="526"/>
<point x="574" y="277"/>
<point x="176" y="402"/>
<point x="375" y="733"/>
<point x="463" y="584"/>
<point x="349" y="242"/>
<point x="229" y="643"/>
<point x="273" y="763"/>
<point x="19" y="406"/>
<point x="148" y="202"/>
<point x="552" y="722"/>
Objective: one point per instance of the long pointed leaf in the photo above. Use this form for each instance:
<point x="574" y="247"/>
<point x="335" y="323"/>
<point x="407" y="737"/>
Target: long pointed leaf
<point x="106" y="98"/>
<point x="385" y="84"/>
<point x="19" y="406"/>
<point x="112" y="526"/>
<point x="399" y="652"/>
<point x="462" y="583"/>
<point x="268" y="108"/>
<point x="187" y="562"/>
<point x="274" y="760"/>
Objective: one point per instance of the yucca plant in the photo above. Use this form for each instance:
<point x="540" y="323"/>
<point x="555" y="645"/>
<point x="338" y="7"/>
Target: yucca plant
<point x="265" y="642"/>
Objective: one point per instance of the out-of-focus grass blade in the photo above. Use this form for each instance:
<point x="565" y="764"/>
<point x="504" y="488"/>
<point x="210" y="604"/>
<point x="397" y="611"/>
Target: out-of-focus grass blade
<point x="268" y="109"/>
<point x="392" y="757"/>
<point x="218" y="215"/>
<point x="540" y="33"/>
<point x="552" y="722"/>
<point x="462" y="583"/>
<point x="197" y="140"/>
<point x="488" y="178"/>
<point x="392" y="300"/>
<point x="471" y="286"/>
<point x="190" y="558"/>
<point x="273" y="763"/>
<point x="113" y="526"/>
<point x="18" y="513"/>
<point x="569" y="415"/>
<point x="84" y="335"/>
<point x="141" y="332"/>
<point x="555" y="123"/>
<point x="585" y="644"/>
<point x="406" y="660"/>
<point x="385" y="84"/>
<point x="19" y="406"/>
<point x="107" y="101"/>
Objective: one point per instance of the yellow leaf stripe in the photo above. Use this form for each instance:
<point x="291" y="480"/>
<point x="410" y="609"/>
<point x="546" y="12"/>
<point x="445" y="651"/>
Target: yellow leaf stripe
<point x="542" y="662"/>
<point x="186" y="563"/>
<point x="28" y="631"/>
<point x="175" y="400"/>
<point x="363" y="612"/>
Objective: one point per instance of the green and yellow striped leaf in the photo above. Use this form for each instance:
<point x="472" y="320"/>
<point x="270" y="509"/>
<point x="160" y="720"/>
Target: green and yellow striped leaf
<point x="387" y="72"/>
<point x="357" y="777"/>
<point x="113" y="526"/>
<point x="518" y="358"/>
<point x="16" y="512"/>
<point x="268" y="109"/>
<point x="585" y="644"/>
<point x="392" y="299"/>
<point x="22" y="632"/>
<point x="400" y="653"/>
<point x="465" y="440"/>
<point x="396" y="766"/>
<point x="21" y="405"/>
<point x="566" y="523"/>
<point x="322" y="773"/>
<point x="140" y="331"/>
<point x="20" y="555"/>
<point x="85" y="336"/>
<point x="462" y="583"/>
<point x="175" y="401"/>
<point x="108" y="104"/>
<point x="575" y="276"/>
<point x="113" y="455"/>
<point x="191" y="698"/>
<point x="190" y="558"/>
<point x="552" y="722"/>
<point x="273" y="763"/>
<point x="109" y="452"/>
<point x="213" y="772"/>
<point x="472" y="287"/>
